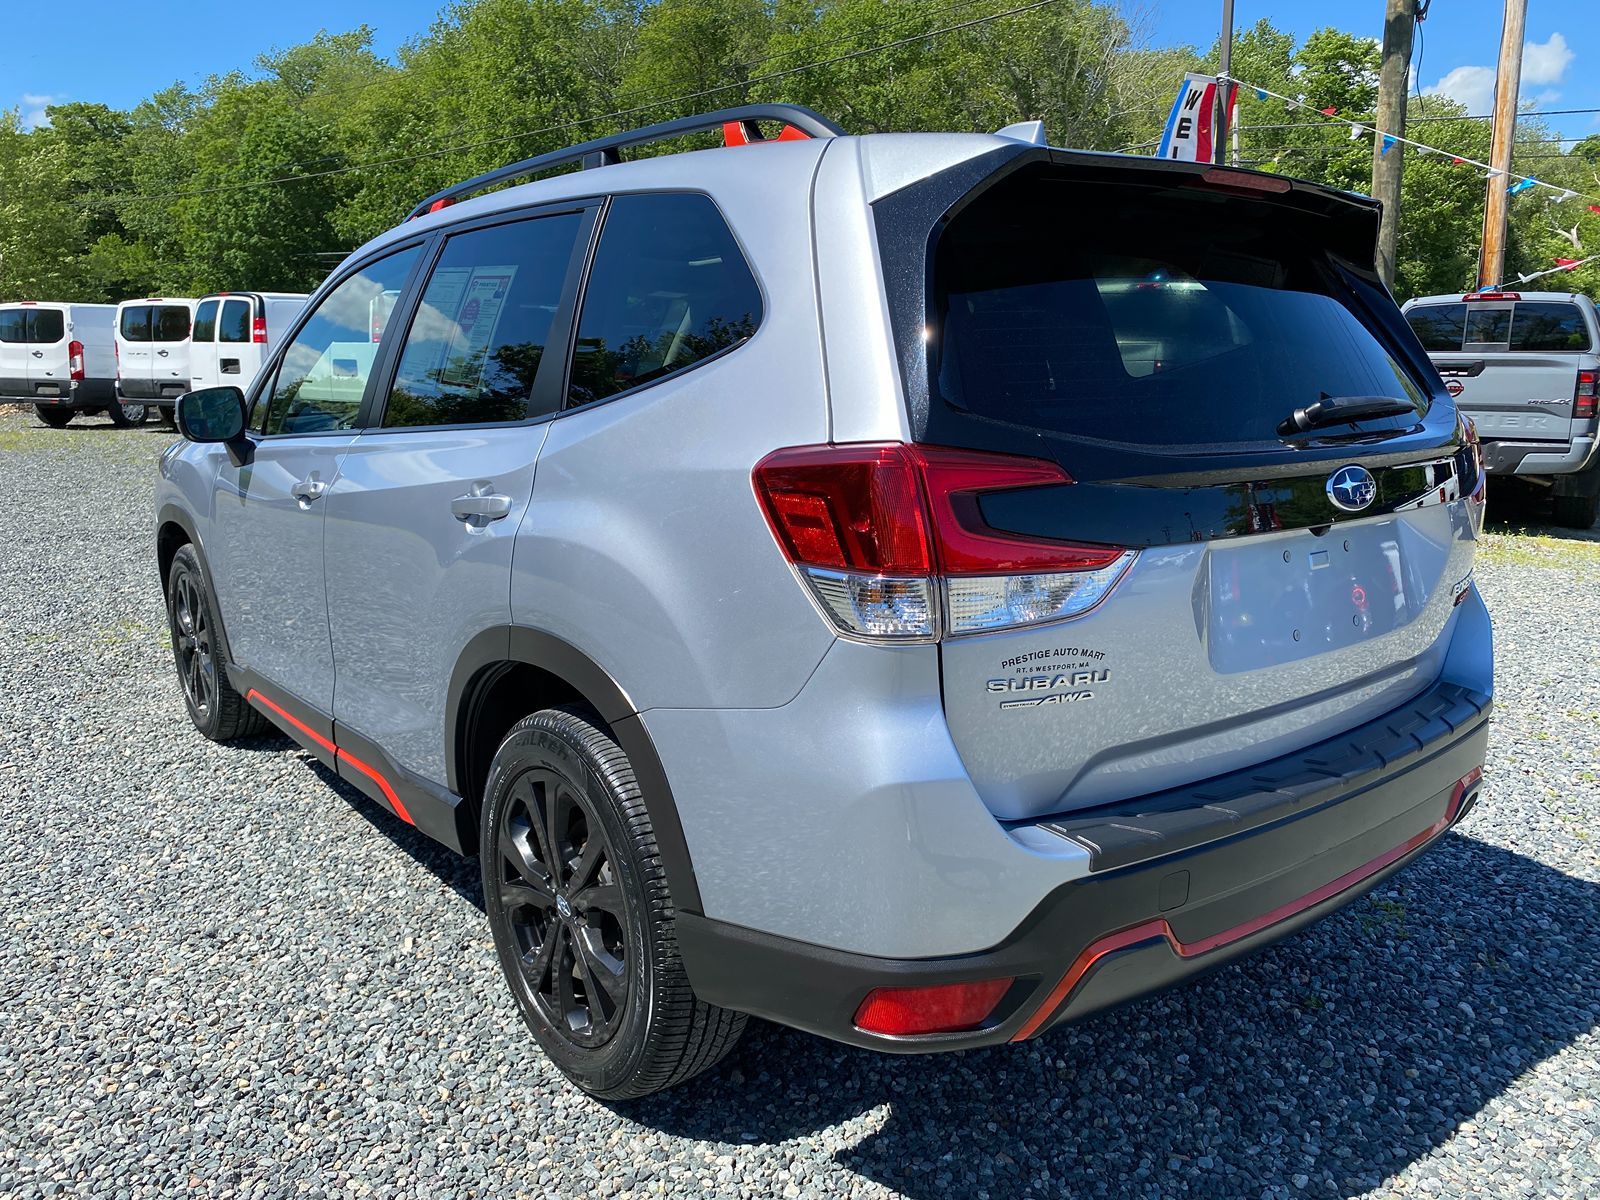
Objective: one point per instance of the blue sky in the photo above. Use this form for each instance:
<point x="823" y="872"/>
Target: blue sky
<point x="95" y="51"/>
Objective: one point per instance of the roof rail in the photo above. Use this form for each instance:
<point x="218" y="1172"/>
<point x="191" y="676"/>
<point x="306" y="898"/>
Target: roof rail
<point x="738" y="126"/>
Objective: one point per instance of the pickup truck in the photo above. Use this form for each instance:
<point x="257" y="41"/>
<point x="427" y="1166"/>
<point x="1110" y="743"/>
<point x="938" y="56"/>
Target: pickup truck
<point x="1523" y="366"/>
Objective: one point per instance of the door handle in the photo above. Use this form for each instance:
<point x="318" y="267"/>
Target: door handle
<point x="163" y="353"/>
<point x="38" y="353"/>
<point x="308" y="490"/>
<point x="480" y="506"/>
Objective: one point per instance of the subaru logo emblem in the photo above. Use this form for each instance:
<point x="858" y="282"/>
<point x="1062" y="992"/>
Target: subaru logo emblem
<point x="1352" y="488"/>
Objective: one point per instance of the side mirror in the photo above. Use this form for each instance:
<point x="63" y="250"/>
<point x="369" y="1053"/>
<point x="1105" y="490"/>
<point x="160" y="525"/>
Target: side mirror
<point x="214" y="414"/>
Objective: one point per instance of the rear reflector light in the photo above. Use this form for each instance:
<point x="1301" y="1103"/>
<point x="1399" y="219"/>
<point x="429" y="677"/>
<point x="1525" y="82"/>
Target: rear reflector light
<point x="886" y="534"/>
<point x="75" y="359"/>
<point x="1583" y="400"/>
<point x="945" y="1008"/>
<point x="258" y="331"/>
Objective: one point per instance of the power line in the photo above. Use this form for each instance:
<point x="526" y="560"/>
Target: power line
<point x="627" y="112"/>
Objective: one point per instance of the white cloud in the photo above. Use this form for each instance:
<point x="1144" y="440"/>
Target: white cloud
<point x="1546" y="62"/>
<point x="32" y="109"/>
<point x="1471" y="86"/>
<point x="1542" y="63"/>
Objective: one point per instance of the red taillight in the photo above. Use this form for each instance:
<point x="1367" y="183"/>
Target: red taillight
<point x="1583" y="399"/>
<point x="258" y="331"/>
<point x="75" y="359"/>
<point x="1493" y="296"/>
<point x="877" y="528"/>
<point x="944" y="1008"/>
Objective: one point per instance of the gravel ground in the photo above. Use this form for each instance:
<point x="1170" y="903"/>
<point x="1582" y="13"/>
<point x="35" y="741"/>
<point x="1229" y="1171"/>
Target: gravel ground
<point x="226" y="973"/>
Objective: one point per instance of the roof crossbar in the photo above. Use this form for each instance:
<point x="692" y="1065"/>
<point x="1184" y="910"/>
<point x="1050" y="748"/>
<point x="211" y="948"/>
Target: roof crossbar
<point x="607" y="151"/>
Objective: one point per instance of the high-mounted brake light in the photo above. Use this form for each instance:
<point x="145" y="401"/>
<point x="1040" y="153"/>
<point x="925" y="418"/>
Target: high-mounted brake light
<point x="258" y="331"/>
<point x="888" y="535"/>
<point x="1583" y="397"/>
<point x="75" y="360"/>
<point x="1245" y="181"/>
<point x="1493" y="296"/>
<point x="943" y="1008"/>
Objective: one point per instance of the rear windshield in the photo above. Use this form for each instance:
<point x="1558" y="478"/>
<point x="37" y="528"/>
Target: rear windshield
<point x="135" y="323"/>
<point x="1136" y="315"/>
<point x="171" y="323"/>
<point x="1548" y="326"/>
<point x="13" y="325"/>
<point x="205" y="321"/>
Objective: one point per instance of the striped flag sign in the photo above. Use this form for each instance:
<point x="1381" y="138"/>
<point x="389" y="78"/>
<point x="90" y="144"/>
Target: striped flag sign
<point x="1189" y="134"/>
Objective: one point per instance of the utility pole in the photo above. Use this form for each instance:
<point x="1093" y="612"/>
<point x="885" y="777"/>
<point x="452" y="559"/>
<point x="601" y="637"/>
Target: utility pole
<point x="1399" y="23"/>
<point x="1219" y="123"/>
<point x="1492" y="263"/>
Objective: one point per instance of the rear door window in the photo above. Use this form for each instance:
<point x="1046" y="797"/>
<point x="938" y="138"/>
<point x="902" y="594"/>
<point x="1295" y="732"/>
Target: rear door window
<point x="477" y="341"/>
<point x="234" y="324"/>
<point x="46" y="326"/>
<point x="135" y="323"/>
<point x="1439" y="326"/>
<point x="1549" y="326"/>
<point x="205" y="321"/>
<point x="1155" y="329"/>
<point x="170" y="323"/>
<point x="13" y="325"/>
<point x="669" y="289"/>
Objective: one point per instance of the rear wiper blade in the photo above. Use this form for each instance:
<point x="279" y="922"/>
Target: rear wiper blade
<point x="1343" y="410"/>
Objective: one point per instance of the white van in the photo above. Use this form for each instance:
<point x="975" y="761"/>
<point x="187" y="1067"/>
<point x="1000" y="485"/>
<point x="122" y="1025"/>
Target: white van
<point x="235" y="332"/>
<point x="60" y="358"/>
<point x="152" y="354"/>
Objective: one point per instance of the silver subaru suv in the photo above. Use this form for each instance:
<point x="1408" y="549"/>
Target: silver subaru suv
<point x="918" y="588"/>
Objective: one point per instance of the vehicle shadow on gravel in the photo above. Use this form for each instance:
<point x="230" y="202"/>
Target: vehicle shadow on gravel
<point x="1325" y="1064"/>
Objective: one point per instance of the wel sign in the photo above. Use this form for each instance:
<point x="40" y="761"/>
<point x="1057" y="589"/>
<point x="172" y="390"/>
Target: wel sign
<point x="1189" y="136"/>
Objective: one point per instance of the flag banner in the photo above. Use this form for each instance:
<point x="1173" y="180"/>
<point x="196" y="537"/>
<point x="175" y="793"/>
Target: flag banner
<point x="1522" y="185"/>
<point x="1388" y="143"/>
<point x="1188" y="136"/>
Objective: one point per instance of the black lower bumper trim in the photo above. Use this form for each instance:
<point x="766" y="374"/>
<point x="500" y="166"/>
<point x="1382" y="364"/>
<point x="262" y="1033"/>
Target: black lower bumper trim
<point x="1123" y="932"/>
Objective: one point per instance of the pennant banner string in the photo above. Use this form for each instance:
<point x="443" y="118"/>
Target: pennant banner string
<point x="1520" y="183"/>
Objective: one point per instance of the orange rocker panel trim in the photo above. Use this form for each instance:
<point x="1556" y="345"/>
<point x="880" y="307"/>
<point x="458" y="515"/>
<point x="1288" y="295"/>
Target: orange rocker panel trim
<point x="338" y="752"/>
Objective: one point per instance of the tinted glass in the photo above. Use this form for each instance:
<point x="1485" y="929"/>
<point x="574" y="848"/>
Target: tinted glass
<point x="324" y="371"/>
<point x="135" y="323"/>
<point x="481" y="329"/>
<point x="1439" y="326"/>
<point x="205" y="321"/>
<point x="234" y="325"/>
<point x="171" y="323"/>
<point x="1174" y="322"/>
<point x="13" y="325"/>
<point x="669" y="288"/>
<point x="1548" y="326"/>
<point x="46" y="326"/>
<point x="1487" y="326"/>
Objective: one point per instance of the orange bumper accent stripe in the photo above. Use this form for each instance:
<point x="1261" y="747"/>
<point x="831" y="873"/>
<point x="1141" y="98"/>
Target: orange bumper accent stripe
<point x="339" y="754"/>
<point x="1158" y="927"/>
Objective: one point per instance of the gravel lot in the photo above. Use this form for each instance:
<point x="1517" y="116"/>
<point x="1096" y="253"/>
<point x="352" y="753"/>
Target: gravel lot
<point x="226" y="973"/>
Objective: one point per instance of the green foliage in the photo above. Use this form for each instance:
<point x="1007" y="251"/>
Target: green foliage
<point x="266" y="179"/>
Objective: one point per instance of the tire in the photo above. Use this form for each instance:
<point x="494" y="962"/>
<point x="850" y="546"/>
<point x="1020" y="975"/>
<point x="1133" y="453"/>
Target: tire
<point x="125" y="416"/>
<point x="168" y="415"/>
<point x="56" y="418"/>
<point x="219" y="712"/>
<point x="588" y="947"/>
<point x="1576" y="512"/>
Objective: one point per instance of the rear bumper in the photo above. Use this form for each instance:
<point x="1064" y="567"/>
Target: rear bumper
<point x="1538" y="458"/>
<point x="149" y="391"/>
<point x="85" y="393"/>
<point x="1181" y="895"/>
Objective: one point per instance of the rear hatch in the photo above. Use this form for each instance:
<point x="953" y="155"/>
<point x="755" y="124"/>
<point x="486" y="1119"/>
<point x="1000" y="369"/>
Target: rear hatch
<point x="1163" y="334"/>
<point x="1511" y="364"/>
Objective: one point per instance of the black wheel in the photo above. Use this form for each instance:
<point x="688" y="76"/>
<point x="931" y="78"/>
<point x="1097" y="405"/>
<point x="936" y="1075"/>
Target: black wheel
<point x="1576" y="512"/>
<point x="124" y="416"/>
<point x="581" y="915"/>
<point x="56" y="418"/>
<point x="216" y="709"/>
<point x="168" y="413"/>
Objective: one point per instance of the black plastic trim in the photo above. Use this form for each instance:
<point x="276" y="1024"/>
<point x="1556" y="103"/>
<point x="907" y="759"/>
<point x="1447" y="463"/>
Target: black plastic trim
<point x="500" y="646"/>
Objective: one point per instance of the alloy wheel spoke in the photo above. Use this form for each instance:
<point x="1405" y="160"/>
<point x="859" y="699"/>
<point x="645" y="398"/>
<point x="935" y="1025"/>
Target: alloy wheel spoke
<point x="558" y="804"/>
<point x="602" y="967"/>
<point x="593" y="852"/>
<point x="536" y="962"/>
<point x="517" y="849"/>
<point x="534" y="893"/>
<point x="607" y="897"/>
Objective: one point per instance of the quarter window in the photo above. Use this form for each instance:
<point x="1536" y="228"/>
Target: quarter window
<point x="480" y="332"/>
<point x="669" y="289"/>
<point x="324" y="372"/>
